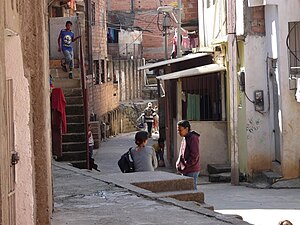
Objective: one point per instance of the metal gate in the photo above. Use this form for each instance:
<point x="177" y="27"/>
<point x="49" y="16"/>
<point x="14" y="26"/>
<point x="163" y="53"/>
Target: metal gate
<point x="12" y="157"/>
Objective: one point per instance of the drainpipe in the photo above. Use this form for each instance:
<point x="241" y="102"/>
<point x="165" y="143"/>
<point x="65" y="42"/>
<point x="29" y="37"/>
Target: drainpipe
<point x="89" y="35"/>
<point x="232" y="74"/>
<point x="178" y="30"/>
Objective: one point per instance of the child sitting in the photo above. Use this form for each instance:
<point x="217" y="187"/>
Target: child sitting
<point x="159" y="149"/>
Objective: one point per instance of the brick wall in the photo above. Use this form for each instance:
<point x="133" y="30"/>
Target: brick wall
<point x="117" y="5"/>
<point x="257" y="20"/>
<point x="146" y="18"/>
<point x="99" y="30"/>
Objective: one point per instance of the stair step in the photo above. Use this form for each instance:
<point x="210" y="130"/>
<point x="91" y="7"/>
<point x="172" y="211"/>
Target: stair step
<point x="74" y="109"/>
<point x="67" y="83"/>
<point x="56" y="63"/>
<point x="73" y="156"/>
<point x="186" y="195"/>
<point x="220" y="177"/>
<point x="72" y="92"/>
<point x="75" y="119"/>
<point x="271" y="177"/>
<point x="81" y="164"/>
<point x="184" y="183"/>
<point x="218" y="168"/>
<point x="74" y="100"/>
<point x="73" y="137"/>
<point x="74" y="146"/>
<point x="75" y="127"/>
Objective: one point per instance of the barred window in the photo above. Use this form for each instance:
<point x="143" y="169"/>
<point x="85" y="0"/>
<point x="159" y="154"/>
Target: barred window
<point x="202" y="97"/>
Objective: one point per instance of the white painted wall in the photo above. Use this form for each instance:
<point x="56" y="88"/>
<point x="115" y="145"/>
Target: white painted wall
<point x="290" y="109"/>
<point x="21" y="95"/>
<point x="258" y="127"/>
<point x="261" y="141"/>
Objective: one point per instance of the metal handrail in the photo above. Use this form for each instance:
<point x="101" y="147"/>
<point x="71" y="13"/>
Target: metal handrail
<point x="85" y="101"/>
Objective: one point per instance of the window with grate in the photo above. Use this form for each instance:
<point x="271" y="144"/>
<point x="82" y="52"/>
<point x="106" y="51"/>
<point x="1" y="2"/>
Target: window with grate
<point x="97" y="71"/>
<point x="93" y="16"/>
<point x="294" y="47"/>
<point x="115" y="70"/>
<point x="202" y="98"/>
<point x="102" y="71"/>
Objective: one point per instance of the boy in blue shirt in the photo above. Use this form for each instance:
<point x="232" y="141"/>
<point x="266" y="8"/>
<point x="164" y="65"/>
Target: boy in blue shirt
<point x="65" y="44"/>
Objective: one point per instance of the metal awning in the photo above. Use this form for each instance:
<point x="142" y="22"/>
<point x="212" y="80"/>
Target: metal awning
<point x="201" y="70"/>
<point x="170" y="61"/>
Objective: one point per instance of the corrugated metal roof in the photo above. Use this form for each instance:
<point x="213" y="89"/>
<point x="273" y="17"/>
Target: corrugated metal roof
<point x="170" y="61"/>
<point x="201" y="70"/>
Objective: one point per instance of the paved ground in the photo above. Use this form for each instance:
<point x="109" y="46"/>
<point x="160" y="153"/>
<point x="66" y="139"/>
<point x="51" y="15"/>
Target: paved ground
<point x="82" y="198"/>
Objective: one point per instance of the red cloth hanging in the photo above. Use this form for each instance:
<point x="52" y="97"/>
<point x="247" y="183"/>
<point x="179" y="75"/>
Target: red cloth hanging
<point x="59" y="104"/>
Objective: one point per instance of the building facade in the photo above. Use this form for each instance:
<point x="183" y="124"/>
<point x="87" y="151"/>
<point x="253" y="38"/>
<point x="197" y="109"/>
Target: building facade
<point x="26" y="184"/>
<point x="267" y="73"/>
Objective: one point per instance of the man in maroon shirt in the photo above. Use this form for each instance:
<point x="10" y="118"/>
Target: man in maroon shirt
<point x="188" y="160"/>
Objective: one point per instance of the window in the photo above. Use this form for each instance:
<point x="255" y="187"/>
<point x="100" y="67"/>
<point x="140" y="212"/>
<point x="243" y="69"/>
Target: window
<point x="202" y="98"/>
<point x="112" y="35"/>
<point x="115" y="70"/>
<point x="207" y="3"/>
<point x="109" y="70"/>
<point x="294" y="47"/>
<point x="93" y="16"/>
<point x="102" y="73"/>
<point x="97" y="71"/>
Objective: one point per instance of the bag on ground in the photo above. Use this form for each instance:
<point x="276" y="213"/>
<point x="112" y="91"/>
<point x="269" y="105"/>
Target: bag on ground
<point x="125" y="163"/>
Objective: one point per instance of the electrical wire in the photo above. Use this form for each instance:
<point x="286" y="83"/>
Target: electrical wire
<point x="138" y="35"/>
<point x="287" y="41"/>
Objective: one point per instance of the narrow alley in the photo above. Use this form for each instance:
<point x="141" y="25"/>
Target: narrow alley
<point x="83" y="198"/>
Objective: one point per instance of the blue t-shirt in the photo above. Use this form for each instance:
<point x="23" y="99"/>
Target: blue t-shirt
<point x="66" y="40"/>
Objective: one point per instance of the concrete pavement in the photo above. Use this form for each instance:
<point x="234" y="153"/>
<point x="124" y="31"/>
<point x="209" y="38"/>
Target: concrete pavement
<point x="83" y="197"/>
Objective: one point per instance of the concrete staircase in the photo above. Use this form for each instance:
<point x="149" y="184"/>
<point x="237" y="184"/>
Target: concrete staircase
<point x="160" y="185"/>
<point x="73" y="142"/>
<point x="219" y="173"/>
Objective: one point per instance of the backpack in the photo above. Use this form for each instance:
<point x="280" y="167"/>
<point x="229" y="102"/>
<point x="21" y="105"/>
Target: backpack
<point x="125" y="163"/>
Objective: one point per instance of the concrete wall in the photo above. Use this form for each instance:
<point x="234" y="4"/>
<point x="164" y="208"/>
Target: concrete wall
<point x="289" y="108"/>
<point x="34" y="41"/>
<point x="21" y="97"/>
<point x="213" y="142"/>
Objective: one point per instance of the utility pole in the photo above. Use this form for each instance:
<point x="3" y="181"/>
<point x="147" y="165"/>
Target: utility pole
<point x="232" y="49"/>
<point x="178" y="29"/>
<point x="165" y="31"/>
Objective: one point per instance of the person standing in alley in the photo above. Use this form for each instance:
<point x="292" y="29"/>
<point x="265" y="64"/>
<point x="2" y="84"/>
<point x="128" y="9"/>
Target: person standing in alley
<point x="91" y="141"/>
<point x="65" y="44"/>
<point x="144" y="156"/>
<point x="188" y="162"/>
<point x="149" y="114"/>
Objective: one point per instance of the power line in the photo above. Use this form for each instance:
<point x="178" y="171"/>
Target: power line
<point x="138" y="35"/>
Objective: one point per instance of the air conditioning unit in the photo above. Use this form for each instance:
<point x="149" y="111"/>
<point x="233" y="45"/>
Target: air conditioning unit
<point x="254" y="3"/>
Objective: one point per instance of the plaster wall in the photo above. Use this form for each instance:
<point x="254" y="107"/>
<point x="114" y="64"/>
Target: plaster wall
<point x="213" y="142"/>
<point x="290" y="109"/>
<point x="34" y="39"/>
<point x="21" y="97"/>
<point x="259" y="128"/>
